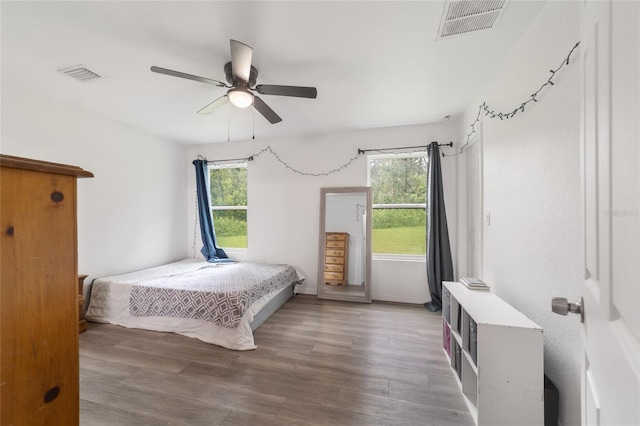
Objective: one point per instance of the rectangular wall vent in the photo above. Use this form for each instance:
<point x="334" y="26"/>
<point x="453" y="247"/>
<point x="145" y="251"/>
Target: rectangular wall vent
<point x="80" y="73"/>
<point x="465" y="16"/>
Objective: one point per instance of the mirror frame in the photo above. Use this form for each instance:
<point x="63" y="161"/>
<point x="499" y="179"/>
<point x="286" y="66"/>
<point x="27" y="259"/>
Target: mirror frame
<point x="344" y="292"/>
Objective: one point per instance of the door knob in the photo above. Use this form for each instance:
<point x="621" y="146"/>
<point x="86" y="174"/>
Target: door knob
<point x="561" y="306"/>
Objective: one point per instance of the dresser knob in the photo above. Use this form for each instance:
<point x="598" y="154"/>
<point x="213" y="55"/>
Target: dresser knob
<point x="57" y="196"/>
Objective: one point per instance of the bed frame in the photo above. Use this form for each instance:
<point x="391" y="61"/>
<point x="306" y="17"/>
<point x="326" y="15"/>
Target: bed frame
<point x="271" y="307"/>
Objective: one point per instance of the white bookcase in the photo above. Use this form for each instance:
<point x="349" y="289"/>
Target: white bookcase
<point x="500" y="365"/>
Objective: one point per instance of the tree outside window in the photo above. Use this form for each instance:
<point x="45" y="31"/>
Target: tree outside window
<point x="399" y="187"/>
<point x="228" y="186"/>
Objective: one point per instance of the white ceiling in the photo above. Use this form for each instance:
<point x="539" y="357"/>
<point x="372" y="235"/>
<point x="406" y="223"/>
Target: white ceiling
<point x="374" y="63"/>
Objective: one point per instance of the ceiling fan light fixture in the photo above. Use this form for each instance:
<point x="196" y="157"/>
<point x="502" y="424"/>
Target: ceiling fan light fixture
<point x="240" y="97"/>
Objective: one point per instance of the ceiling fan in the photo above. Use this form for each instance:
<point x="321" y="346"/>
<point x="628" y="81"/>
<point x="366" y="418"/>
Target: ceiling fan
<point x="242" y="77"/>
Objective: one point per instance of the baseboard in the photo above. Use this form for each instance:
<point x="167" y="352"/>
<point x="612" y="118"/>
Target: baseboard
<point x="379" y="298"/>
<point x="394" y="299"/>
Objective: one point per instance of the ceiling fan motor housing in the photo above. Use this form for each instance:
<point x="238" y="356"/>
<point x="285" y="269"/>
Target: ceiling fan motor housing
<point x="253" y="75"/>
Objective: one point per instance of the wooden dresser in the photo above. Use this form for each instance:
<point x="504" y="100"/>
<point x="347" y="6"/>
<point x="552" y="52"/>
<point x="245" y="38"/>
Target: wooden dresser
<point x="39" y="361"/>
<point x="336" y="258"/>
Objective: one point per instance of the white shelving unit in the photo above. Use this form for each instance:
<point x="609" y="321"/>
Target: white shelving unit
<point x="502" y="374"/>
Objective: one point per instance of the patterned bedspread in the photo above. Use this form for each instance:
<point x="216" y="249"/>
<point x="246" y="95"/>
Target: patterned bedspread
<point x="219" y="294"/>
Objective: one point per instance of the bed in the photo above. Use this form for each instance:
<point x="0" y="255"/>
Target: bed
<point x="220" y="303"/>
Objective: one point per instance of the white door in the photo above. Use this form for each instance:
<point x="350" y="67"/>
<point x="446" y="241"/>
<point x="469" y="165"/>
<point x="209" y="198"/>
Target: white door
<point x="610" y="48"/>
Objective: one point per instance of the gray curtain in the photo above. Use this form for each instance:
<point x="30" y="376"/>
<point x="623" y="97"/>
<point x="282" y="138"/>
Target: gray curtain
<point x="439" y="263"/>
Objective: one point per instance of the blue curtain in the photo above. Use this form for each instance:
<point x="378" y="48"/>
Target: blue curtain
<point x="439" y="262"/>
<point x="210" y="250"/>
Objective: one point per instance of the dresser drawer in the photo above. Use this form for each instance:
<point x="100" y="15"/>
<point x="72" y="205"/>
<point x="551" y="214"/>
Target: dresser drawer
<point x="333" y="268"/>
<point x="336" y="260"/>
<point x="335" y="244"/>
<point x="336" y="237"/>
<point x="334" y="253"/>
<point x="334" y="276"/>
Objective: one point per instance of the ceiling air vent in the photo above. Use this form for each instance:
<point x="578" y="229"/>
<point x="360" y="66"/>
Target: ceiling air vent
<point x="80" y="73"/>
<point x="461" y="17"/>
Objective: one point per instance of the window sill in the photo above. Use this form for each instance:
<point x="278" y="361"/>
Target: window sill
<point x="400" y="257"/>
<point x="235" y="250"/>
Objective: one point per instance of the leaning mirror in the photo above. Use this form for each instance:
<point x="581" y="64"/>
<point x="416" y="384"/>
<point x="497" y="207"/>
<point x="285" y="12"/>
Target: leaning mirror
<point x="344" y="260"/>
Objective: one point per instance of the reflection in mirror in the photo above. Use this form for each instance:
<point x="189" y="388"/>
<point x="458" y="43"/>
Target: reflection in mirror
<point x="345" y="244"/>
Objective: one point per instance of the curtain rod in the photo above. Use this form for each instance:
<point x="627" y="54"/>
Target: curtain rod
<point x="362" y="151"/>
<point x="229" y="159"/>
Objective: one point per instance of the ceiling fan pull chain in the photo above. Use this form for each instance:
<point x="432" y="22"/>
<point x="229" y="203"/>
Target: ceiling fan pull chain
<point x="253" y="124"/>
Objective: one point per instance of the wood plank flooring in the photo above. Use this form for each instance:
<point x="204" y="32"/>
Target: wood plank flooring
<point x="317" y="363"/>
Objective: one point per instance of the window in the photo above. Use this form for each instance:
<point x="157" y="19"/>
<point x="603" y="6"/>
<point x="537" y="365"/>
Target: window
<point x="399" y="186"/>
<point x="228" y="185"/>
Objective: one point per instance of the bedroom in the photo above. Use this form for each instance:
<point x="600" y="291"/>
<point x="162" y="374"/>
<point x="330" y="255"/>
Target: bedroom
<point x="142" y="196"/>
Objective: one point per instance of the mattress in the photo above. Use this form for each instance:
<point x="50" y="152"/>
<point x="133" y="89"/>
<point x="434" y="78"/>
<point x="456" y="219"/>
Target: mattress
<point x="111" y="302"/>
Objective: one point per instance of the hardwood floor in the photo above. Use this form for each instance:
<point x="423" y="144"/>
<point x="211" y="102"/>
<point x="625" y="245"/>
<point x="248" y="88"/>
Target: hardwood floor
<point x="317" y="363"/>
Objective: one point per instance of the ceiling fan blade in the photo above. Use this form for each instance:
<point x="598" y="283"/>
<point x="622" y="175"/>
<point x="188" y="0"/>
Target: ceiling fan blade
<point x="187" y="76"/>
<point x="241" y="56"/>
<point x="297" y="91"/>
<point x="214" y="105"/>
<point x="266" y="111"/>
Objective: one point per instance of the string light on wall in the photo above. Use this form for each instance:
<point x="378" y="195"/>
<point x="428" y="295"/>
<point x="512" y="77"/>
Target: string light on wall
<point x="285" y="164"/>
<point x="490" y="113"/>
<point x="336" y="170"/>
<point x="420" y="148"/>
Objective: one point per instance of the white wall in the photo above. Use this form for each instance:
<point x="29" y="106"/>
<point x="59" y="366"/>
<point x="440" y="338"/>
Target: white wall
<point x="532" y="247"/>
<point x="131" y="215"/>
<point x="283" y="216"/>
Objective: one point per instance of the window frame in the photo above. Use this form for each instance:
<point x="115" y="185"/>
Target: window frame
<point x="212" y="208"/>
<point x="397" y="256"/>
